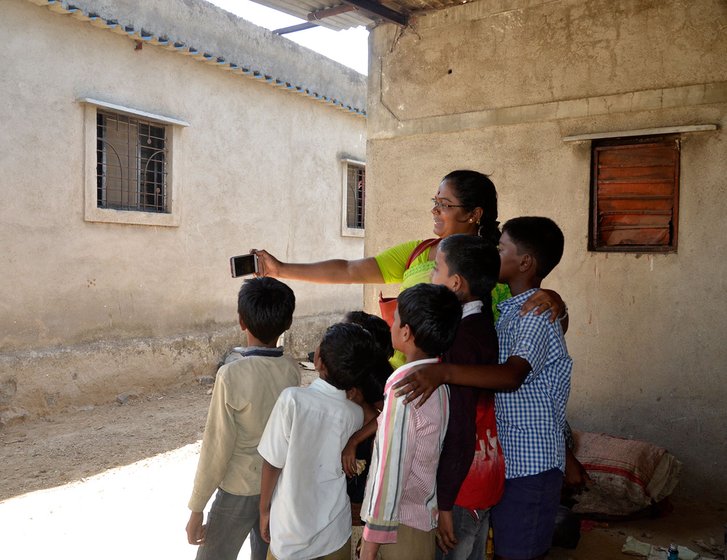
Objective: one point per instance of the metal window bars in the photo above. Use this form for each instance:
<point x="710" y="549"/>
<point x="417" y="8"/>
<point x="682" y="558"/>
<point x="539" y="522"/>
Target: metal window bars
<point x="356" y="196"/>
<point x="131" y="170"/>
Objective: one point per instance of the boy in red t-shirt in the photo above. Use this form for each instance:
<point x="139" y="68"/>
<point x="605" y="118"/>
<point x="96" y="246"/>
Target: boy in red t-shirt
<point x="471" y="470"/>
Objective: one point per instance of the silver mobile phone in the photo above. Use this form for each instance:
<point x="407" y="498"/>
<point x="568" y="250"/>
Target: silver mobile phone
<point x="243" y="265"/>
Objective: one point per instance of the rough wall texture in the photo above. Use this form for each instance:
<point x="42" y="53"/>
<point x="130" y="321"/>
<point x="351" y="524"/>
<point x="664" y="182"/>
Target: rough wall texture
<point x="256" y="167"/>
<point x="496" y="90"/>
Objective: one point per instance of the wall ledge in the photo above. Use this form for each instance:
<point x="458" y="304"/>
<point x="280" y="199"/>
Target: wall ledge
<point x="640" y="132"/>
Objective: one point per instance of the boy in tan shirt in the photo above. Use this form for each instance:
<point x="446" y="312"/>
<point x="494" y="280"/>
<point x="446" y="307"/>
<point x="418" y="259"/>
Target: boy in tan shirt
<point x="244" y="395"/>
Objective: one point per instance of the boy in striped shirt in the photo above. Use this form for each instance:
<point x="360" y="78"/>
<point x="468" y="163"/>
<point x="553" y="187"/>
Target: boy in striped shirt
<point x="400" y="502"/>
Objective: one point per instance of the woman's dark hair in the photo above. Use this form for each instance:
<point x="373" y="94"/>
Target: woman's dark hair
<point x="476" y="190"/>
<point x="347" y="350"/>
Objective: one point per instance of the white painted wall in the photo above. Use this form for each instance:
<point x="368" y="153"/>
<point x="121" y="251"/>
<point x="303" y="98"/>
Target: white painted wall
<point x="90" y="309"/>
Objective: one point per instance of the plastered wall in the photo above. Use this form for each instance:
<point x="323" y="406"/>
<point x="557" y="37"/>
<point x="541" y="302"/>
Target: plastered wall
<point x="88" y="309"/>
<point x="496" y="87"/>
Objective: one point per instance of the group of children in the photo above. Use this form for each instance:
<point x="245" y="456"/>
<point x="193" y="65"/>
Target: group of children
<point x="440" y="468"/>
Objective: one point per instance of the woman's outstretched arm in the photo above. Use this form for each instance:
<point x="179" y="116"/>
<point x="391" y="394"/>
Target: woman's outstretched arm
<point x="335" y="271"/>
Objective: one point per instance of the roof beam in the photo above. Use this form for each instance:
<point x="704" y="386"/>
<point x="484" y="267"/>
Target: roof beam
<point x="380" y="11"/>
<point x="294" y="28"/>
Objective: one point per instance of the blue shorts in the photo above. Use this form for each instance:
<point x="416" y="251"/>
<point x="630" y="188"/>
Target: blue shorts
<point x="524" y="520"/>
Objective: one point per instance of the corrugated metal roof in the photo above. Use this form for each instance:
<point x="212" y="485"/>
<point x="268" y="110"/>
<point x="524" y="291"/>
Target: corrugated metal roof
<point x="356" y="17"/>
<point x="200" y="54"/>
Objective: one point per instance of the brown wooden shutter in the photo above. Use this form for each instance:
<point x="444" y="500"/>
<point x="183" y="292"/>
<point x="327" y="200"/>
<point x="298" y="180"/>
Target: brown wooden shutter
<point x="635" y="195"/>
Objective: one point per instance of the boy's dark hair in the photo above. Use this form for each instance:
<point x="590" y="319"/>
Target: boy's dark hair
<point x="266" y="307"/>
<point x="372" y="385"/>
<point x="539" y="237"/>
<point x="378" y="328"/>
<point x="433" y="314"/>
<point x="373" y="382"/>
<point x="475" y="260"/>
<point x="346" y="350"/>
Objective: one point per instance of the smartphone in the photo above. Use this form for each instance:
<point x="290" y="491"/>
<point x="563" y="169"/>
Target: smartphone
<point x="243" y="265"/>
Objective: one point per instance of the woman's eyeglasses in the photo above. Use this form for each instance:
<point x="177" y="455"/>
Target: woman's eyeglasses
<point x="441" y="205"/>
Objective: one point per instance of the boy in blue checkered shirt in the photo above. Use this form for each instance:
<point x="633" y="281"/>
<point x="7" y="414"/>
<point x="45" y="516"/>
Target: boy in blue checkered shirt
<point x="532" y="382"/>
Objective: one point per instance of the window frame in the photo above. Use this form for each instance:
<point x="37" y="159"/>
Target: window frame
<point x="346" y="230"/>
<point x="171" y="217"/>
<point x="594" y="231"/>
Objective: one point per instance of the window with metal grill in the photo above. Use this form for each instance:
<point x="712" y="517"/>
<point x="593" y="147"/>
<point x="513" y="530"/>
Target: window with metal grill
<point x="635" y="194"/>
<point x="131" y="172"/>
<point x="355" y="195"/>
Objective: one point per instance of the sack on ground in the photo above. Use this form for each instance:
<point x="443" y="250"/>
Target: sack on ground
<point x="628" y="475"/>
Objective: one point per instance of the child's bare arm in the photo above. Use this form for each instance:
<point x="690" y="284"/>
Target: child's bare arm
<point x="576" y="476"/>
<point x="369" y="550"/>
<point x="195" y="528"/>
<point x="424" y="380"/>
<point x="371" y="412"/>
<point x="446" y="537"/>
<point x="348" y="456"/>
<point x="268" y="481"/>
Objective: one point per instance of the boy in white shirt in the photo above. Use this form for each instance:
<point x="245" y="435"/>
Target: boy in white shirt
<point x="305" y="512"/>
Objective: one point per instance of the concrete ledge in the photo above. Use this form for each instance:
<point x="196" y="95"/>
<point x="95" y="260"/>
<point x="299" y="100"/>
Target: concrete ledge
<point x="640" y="132"/>
<point x="36" y="382"/>
<point x="664" y="98"/>
<point x="306" y="333"/>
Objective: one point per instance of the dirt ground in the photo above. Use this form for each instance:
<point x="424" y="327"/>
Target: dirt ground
<point x="86" y="441"/>
<point x="129" y="468"/>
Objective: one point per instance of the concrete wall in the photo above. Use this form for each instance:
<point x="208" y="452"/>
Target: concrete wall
<point x="88" y="310"/>
<point x="497" y="90"/>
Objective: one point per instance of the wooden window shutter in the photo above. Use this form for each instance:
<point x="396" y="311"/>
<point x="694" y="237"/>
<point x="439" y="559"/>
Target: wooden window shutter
<point x="635" y="195"/>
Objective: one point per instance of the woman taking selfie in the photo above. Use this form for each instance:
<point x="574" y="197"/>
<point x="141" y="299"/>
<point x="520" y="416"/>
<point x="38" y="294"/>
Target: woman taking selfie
<point x="465" y="202"/>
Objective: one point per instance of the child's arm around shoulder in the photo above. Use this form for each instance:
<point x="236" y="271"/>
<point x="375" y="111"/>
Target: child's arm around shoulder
<point x="527" y="349"/>
<point x="424" y="379"/>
